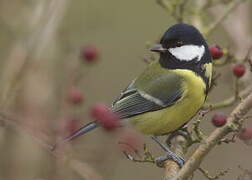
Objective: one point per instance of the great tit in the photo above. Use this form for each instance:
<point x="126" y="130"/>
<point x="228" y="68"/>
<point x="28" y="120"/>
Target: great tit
<point x="171" y="90"/>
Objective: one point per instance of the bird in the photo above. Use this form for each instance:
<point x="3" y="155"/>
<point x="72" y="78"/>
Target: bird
<point x="170" y="91"/>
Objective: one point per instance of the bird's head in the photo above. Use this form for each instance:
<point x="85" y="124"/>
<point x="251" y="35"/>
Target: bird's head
<point x="183" y="47"/>
<point x="184" y="43"/>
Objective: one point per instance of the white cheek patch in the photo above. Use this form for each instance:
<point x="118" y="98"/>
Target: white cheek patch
<point x="188" y="52"/>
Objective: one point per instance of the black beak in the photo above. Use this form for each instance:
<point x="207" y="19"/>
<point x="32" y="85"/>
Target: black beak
<point x="158" y="48"/>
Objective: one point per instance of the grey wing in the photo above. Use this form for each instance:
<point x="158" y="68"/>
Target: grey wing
<point x="133" y="102"/>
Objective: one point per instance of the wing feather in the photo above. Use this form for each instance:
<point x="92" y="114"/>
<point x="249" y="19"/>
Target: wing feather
<point x="135" y="103"/>
<point x="153" y="90"/>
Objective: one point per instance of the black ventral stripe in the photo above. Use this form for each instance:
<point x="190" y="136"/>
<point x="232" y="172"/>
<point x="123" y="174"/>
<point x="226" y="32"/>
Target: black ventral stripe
<point x="196" y="66"/>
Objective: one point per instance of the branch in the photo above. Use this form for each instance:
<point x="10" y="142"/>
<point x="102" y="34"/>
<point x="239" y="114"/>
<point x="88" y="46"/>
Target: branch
<point x="42" y="28"/>
<point x="81" y="168"/>
<point x="232" y="124"/>
<point x="229" y="101"/>
<point x="178" y="146"/>
<point x="234" y="4"/>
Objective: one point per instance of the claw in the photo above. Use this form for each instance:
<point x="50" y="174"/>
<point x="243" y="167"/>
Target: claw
<point x="161" y="160"/>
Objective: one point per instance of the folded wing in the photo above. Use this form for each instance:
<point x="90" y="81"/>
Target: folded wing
<point x="149" y="93"/>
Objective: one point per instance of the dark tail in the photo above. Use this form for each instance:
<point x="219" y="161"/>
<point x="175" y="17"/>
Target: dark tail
<point x="85" y="129"/>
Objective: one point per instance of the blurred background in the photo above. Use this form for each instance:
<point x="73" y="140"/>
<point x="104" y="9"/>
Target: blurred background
<point x="48" y="84"/>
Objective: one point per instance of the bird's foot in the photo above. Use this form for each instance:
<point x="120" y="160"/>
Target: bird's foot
<point x="169" y="156"/>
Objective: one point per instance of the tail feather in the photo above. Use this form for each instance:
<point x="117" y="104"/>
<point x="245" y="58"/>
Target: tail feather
<point x="83" y="130"/>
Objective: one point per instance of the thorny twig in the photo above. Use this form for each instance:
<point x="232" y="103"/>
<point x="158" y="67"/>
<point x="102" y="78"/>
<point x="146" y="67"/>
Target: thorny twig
<point x="229" y="58"/>
<point x="229" y="101"/>
<point x="147" y="158"/>
<point x="196" y="128"/>
<point x="195" y="160"/>
<point x="176" y="10"/>
<point x="217" y="176"/>
<point x="228" y="140"/>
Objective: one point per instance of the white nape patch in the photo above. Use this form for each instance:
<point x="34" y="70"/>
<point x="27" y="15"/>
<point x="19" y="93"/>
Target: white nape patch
<point x="188" y="52"/>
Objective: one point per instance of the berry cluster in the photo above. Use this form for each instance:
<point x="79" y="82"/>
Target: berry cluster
<point x="99" y="112"/>
<point x="220" y="119"/>
<point x="74" y="95"/>
<point x="217" y="53"/>
<point x="129" y="140"/>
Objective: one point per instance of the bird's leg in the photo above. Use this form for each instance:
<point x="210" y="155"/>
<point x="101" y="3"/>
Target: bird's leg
<point x="169" y="156"/>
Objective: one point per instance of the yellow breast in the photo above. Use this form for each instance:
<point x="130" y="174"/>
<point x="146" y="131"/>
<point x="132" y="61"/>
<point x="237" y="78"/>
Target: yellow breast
<point x="173" y="117"/>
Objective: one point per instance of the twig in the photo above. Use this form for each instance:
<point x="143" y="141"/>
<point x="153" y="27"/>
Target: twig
<point x="131" y="147"/>
<point x="146" y="158"/>
<point x="228" y="140"/>
<point x="181" y="10"/>
<point x="199" y="134"/>
<point x="217" y="176"/>
<point x="45" y="35"/>
<point x="81" y="168"/>
<point x="164" y="4"/>
<point x="245" y="172"/>
<point x="234" y="4"/>
<point x="229" y="58"/>
<point x="236" y="89"/>
<point x="248" y="59"/>
<point x="196" y="128"/>
<point x="250" y="64"/>
<point x="176" y="9"/>
<point x="131" y="158"/>
<point x="229" y="101"/>
<point x="42" y="31"/>
<point x="232" y="124"/>
<point x="179" y="146"/>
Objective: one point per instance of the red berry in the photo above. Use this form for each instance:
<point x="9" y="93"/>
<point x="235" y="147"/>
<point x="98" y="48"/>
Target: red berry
<point x="246" y="133"/>
<point x="75" y="96"/>
<point x="105" y="117"/>
<point x="219" y="119"/>
<point x="216" y="51"/>
<point x="239" y="70"/>
<point x="89" y="53"/>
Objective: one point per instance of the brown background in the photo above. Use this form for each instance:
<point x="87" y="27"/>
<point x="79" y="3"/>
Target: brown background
<point x="120" y="29"/>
